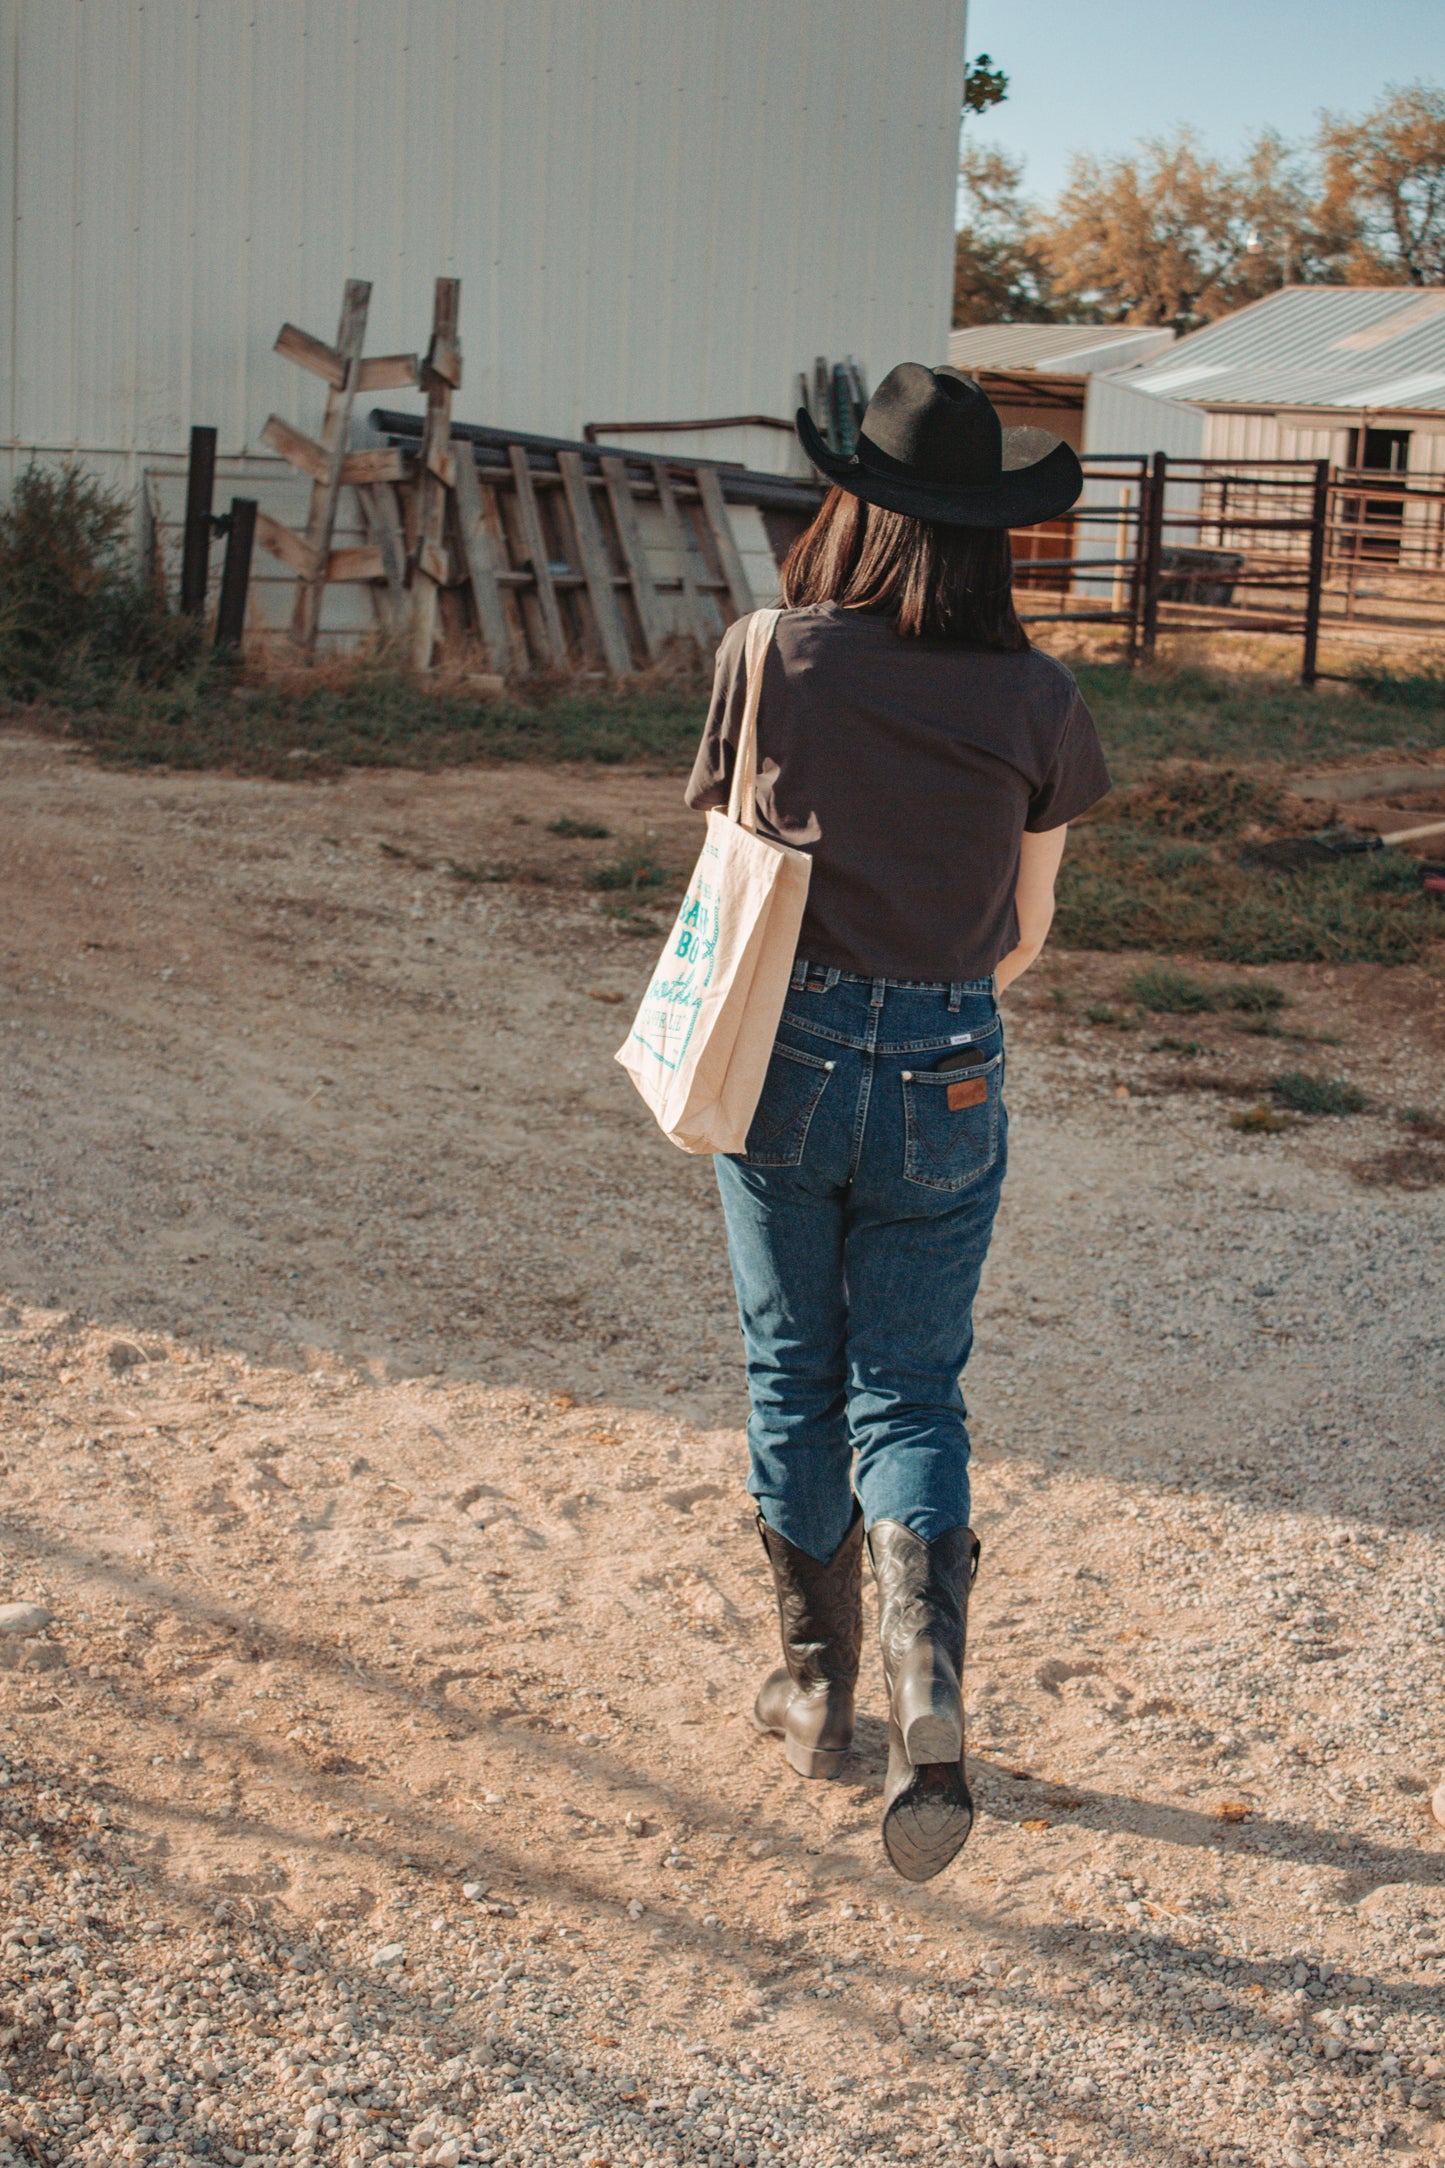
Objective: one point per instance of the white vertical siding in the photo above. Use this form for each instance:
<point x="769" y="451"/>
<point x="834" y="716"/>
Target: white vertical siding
<point x="657" y="207"/>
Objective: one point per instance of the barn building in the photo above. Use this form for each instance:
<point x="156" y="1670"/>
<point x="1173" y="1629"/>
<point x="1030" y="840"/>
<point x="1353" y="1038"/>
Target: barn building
<point x="659" y="213"/>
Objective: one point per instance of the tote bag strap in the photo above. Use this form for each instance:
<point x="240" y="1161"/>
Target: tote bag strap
<point x="742" y="799"/>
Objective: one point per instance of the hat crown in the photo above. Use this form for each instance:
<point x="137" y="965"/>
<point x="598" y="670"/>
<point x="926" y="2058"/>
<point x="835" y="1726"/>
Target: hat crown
<point x="936" y="423"/>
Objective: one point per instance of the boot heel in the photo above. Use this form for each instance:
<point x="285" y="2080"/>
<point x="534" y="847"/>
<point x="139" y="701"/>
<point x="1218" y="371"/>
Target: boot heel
<point x="928" y="1711"/>
<point x="813" y="1761"/>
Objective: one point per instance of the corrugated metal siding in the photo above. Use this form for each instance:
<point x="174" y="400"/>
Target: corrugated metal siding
<point x="655" y="209"/>
<point x="1074" y="349"/>
<point x="1381" y="347"/>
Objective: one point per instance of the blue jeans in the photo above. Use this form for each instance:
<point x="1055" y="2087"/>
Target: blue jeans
<point x="859" y="1217"/>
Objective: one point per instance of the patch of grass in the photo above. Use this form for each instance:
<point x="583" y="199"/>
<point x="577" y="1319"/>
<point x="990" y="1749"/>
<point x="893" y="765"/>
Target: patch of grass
<point x="1193" y="800"/>
<point x="1261" y="1120"/>
<point x="1304" y="1094"/>
<point x="1424" y="1123"/>
<point x="1178" y="1046"/>
<point x="565" y="825"/>
<point x="1255" y="997"/>
<point x="1233" y="716"/>
<point x="1163" y="988"/>
<point x="374" y="717"/>
<point x="637" y="871"/>
<point x="1099" y="1012"/>
<point x="1121" y="887"/>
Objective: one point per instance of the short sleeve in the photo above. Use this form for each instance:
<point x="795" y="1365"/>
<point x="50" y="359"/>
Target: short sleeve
<point x="1078" y="775"/>
<point x="712" y="771"/>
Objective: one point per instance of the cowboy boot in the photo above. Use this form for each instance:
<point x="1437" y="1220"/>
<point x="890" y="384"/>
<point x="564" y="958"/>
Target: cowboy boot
<point x="923" y="1621"/>
<point x="808" y="1703"/>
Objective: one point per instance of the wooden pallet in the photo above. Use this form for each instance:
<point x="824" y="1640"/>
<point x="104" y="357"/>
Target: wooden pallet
<point x="549" y="551"/>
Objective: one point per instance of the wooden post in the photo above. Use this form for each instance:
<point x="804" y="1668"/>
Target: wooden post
<point x="1152" y="554"/>
<point x="326" y="487"/>
<point x="441" y="375"/>
<point x="1314" y="592"/>
<point x="196" y="537"/>
<point x="236" y="573"/>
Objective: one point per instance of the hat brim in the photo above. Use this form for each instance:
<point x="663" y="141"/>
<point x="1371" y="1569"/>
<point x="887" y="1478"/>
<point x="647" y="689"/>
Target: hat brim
<point x="1023" y="495"/>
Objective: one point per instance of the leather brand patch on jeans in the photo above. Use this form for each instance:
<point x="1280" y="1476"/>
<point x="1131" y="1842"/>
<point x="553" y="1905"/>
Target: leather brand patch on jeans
<point x="970" y="1094"/>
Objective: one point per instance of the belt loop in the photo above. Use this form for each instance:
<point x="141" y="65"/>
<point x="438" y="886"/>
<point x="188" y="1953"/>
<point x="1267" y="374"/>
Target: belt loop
<point x="800" y="973"/>
<point x="955" y="997"/>
<point x="880" y="987"/>
<point x="831" y="978"/>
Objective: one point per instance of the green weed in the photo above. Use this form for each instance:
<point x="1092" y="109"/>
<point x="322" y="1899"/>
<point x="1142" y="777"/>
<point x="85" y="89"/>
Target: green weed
<point x="1162" y="987"/>
<point x="565" y="825"/>
<point x="637" y="871"/>
<point x="1255" y="997"/>
<point x="1304" y="1094"/>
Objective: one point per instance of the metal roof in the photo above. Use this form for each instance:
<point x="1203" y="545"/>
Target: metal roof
<point x="1073" y="349"/>
<point x="1381" y="348"/>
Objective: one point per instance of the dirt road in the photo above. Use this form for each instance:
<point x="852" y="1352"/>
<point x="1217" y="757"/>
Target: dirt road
<point x="381" y="1784"/>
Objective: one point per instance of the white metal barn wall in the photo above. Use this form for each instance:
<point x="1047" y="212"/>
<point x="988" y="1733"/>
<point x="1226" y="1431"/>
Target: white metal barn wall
<point x="657" y="208"/>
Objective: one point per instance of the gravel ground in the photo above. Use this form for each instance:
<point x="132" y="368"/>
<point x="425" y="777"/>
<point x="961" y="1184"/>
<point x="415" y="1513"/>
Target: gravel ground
<point x="375" y="1774"/>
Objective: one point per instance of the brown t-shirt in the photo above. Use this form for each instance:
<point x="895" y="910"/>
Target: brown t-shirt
<point x="908" y="769"/>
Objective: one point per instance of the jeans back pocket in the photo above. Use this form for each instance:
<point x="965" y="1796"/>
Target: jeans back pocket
<point x="791" y="1090"/>
<point x="950" y="1124"/>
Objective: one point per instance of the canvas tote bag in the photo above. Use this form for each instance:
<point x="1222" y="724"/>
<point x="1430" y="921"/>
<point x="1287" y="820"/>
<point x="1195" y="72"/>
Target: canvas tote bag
<point x="699" y="1046"/>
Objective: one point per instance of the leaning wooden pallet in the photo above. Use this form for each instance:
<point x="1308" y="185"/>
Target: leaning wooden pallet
<point x="329" y="464"/>
<point x="551" y="552"/>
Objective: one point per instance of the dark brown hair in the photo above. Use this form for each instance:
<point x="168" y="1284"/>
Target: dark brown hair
<point x="930" y="581"/>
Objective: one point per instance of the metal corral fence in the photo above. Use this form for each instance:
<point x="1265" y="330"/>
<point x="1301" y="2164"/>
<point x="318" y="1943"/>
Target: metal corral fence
<point x="1285" y="546"/>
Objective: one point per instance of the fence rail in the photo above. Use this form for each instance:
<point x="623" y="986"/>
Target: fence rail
<point x="1283" y="546"/>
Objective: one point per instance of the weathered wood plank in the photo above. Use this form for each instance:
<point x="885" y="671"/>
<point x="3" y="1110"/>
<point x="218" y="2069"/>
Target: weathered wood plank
<point x="554" y="639"/>
<point x="360" y="563"/>
<point x="388" y="372"/>
<point x="377" y="463"/>
<point x="302" y="451"/>
<point x="386" y="529"/>
<point x="596" y="566"/>
<point x="696" y="613"/>
<point x="507" y="578"/>
<point x="479" y="556"/>
<point x="634" y="554"/>
<point x="282" y="542"/>
<point x="431" y="489"/>
<point x="715" y="511"/>
<point x="381" y="515"/>
<point x="313" y="354"/>
<point x="326" y="487"/>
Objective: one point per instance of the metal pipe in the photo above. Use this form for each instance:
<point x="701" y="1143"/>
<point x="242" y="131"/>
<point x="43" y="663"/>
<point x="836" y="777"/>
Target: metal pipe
<point x="196" y="543"/>
<point x="236" y="573"/>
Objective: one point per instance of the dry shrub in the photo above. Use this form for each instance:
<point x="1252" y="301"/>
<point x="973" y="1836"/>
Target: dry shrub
<point x="1402" y="1166"/>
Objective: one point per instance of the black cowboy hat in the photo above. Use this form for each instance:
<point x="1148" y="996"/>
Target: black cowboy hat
<point x="932" y="445"/>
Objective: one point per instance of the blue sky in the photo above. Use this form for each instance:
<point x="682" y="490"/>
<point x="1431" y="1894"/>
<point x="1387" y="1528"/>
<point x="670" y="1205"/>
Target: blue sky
<point x="1095" y="75"/>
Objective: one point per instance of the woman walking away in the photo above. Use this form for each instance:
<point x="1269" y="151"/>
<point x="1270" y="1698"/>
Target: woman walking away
<point x="928" y="759"/>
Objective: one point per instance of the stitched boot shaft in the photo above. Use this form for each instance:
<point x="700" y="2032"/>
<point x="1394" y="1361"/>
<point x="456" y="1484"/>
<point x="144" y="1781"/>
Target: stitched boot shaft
<point x="923" y="1625"/>
<point x="809" y="1702"/>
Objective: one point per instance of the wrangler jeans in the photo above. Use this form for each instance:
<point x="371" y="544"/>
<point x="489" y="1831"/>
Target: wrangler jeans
<point x="858" y="1217"/>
